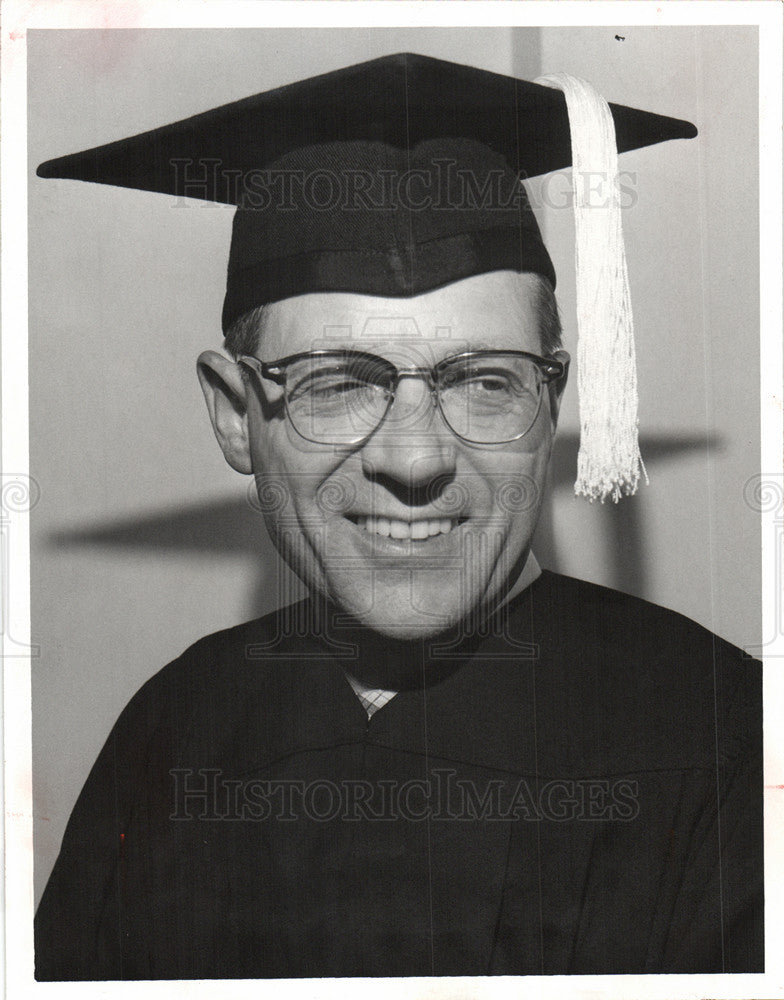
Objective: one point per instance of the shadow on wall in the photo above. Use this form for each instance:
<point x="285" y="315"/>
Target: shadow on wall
<point x="625" y="533"/>
<point x="234" y="526"/>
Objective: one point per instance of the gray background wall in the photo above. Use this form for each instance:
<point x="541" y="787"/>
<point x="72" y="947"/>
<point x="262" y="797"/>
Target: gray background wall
<point x="143" y="540"/>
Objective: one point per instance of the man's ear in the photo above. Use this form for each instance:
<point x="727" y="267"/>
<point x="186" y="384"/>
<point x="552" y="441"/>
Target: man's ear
<point x="225" y="391"/>
<point x="556" y="388"/>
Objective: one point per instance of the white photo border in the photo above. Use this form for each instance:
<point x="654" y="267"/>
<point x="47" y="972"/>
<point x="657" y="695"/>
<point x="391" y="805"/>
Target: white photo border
<point x="18" y="18"/>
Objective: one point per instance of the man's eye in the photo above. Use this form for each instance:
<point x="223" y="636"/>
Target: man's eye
<point x="334" y="387"/>
<point x="489" y="384"/>
<point x="330" y="385"/>
<point x="479" y="383"/>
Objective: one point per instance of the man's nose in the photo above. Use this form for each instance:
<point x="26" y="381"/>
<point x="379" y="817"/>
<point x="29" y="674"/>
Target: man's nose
<point x="413" y="445"/>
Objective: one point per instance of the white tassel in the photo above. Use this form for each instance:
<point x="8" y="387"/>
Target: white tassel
<point x="609" y="462"/>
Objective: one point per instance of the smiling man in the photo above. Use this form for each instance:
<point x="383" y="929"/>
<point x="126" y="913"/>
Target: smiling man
<point x="445" y="761"/>
<point x="420" y="437"/>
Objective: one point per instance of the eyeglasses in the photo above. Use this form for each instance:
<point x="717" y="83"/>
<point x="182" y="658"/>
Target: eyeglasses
<point x="342" y="397"/>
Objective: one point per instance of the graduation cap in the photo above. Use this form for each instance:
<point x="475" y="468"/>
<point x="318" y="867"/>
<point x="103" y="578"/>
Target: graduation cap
<point x="401" y="175"/>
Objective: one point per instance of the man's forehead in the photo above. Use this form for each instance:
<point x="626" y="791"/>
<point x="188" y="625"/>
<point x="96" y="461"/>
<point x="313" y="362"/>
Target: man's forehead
<point x="472" y="313"/>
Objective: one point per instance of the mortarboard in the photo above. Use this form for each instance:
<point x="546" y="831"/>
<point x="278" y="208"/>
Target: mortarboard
<point x="401" y="175"/>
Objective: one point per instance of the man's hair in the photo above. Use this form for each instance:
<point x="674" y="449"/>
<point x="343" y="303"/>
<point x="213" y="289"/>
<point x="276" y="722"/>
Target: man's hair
<point x="552" y="332"/>
<point x="242" y="337"/>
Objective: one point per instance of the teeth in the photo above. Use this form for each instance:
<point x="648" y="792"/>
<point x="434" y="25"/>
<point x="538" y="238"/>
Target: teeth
<point x="417" y="530"/>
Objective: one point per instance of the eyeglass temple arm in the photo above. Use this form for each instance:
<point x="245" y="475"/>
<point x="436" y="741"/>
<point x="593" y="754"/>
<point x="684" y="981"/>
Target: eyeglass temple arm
<point x="557" y="366"/>
<point x="274" y="373"/>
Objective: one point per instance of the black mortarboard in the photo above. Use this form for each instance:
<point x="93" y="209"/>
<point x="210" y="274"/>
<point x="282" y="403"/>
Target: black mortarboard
<point x="392" y="177"/>
<point x="345" y="181"/>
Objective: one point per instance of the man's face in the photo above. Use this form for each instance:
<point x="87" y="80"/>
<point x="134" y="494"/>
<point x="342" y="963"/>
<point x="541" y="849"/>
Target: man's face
<point x="413" y="530"/>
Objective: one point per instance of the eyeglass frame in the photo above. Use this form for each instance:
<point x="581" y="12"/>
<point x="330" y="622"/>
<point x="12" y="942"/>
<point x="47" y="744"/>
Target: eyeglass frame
<point x="552" y="369"/>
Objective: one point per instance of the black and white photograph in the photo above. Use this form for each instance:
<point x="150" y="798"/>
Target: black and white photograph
<point x="403" y="507"/>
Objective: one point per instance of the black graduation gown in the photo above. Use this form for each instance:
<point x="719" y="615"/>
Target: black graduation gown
<point x="577" y="789"/>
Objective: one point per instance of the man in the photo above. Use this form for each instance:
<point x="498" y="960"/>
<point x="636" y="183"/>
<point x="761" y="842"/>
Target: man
<point x="446" y="761"/>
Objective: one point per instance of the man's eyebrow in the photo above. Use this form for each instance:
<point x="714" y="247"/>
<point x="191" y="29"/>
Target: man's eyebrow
<point x="466" y="347"/>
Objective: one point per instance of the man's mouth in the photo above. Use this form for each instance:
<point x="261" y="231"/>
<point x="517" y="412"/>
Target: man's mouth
<point x="419" y="530"/>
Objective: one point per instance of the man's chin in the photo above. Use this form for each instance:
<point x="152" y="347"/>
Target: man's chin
<point x="406" y="632"/>
<point x="401" y="621"/>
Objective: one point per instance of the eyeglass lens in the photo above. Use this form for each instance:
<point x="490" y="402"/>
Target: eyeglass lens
<point x="342" y="400"/>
